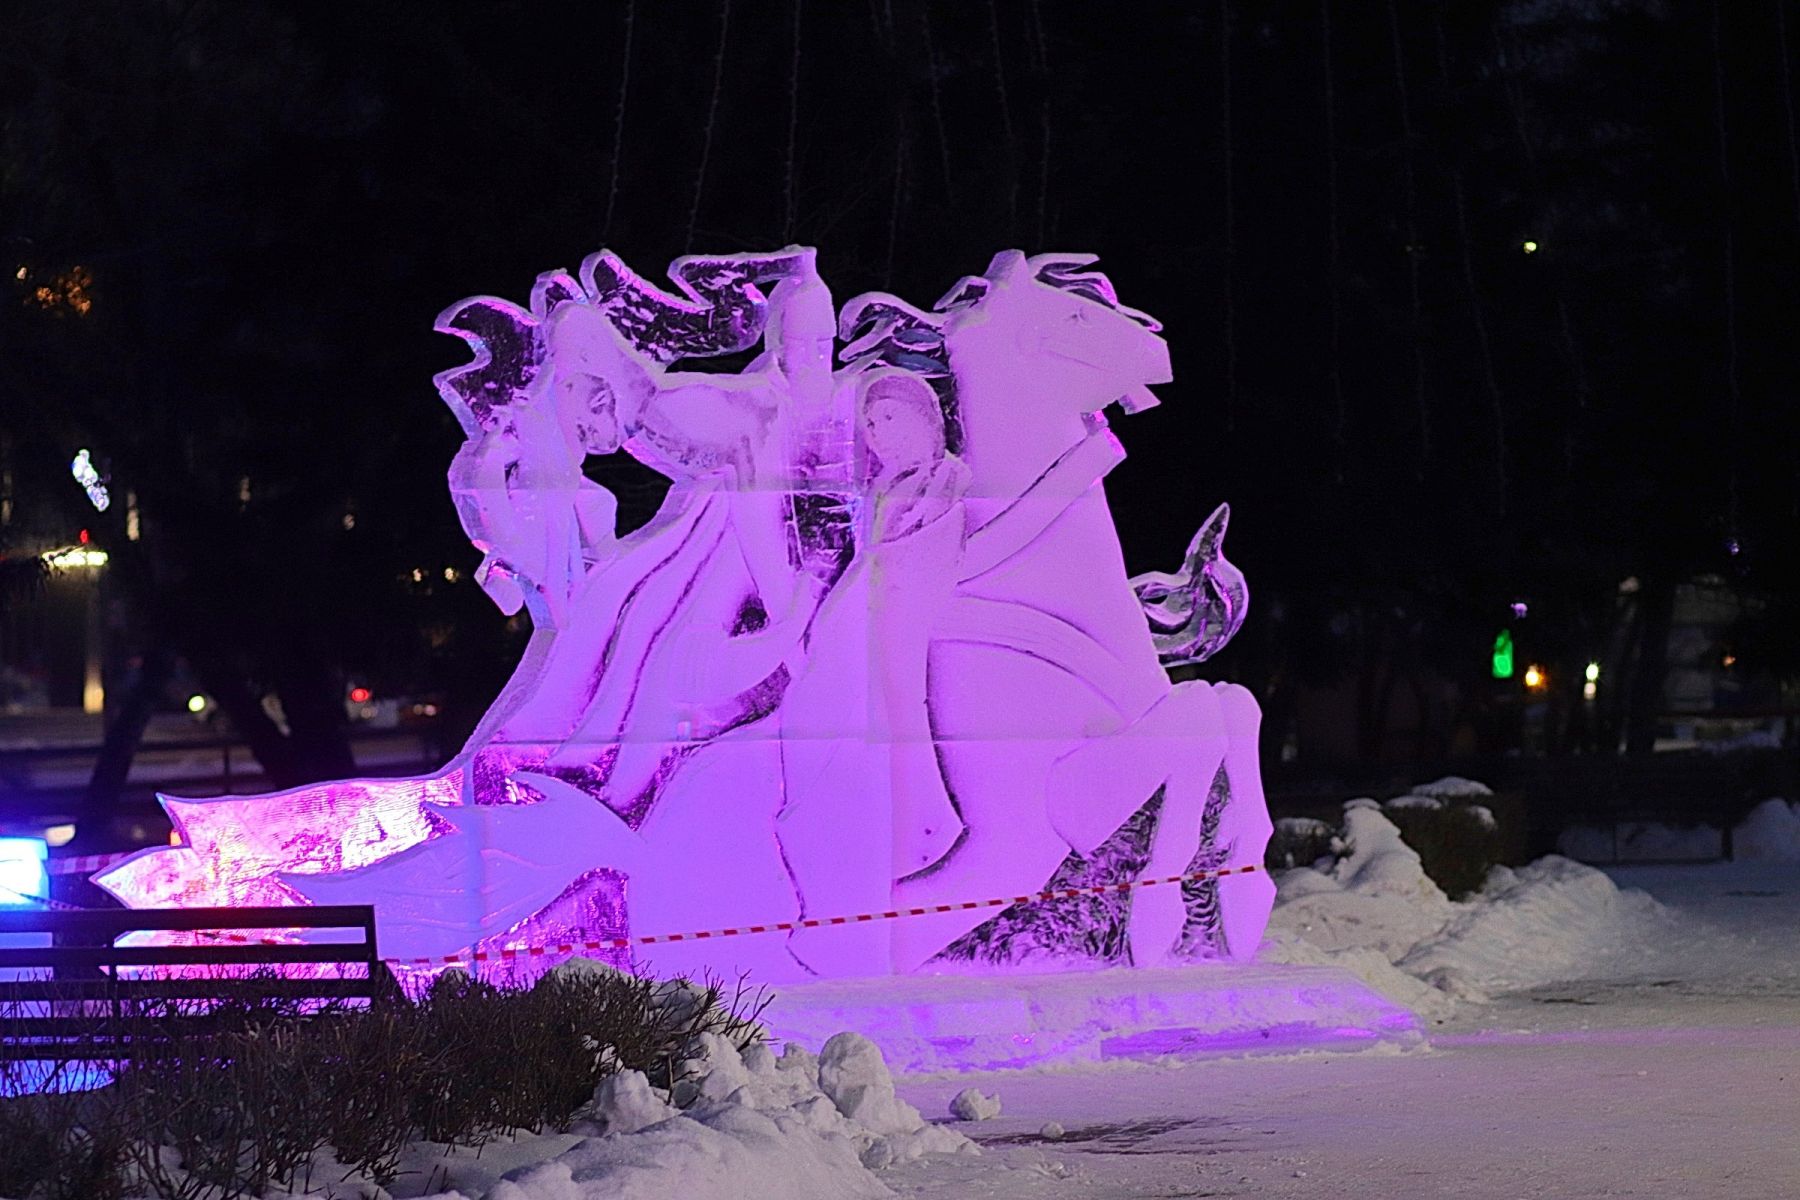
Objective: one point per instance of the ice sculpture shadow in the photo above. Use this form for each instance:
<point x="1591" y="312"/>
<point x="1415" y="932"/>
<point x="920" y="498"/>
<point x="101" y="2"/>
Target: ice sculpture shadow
<point x="877" y="648"/>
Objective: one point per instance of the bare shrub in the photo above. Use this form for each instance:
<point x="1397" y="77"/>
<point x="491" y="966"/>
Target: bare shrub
<point x="57" y="1142"/>
<point x="516" y="1059"/>
<point x="210" y="1116"/>
<point x="232" y="1098"/>
<point x="1458" y="843"/>
<point x="368" y="1067"/>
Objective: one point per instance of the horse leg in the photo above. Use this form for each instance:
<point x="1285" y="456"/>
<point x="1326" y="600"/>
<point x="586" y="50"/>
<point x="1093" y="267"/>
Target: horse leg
<point x="1244" y="827"/>
<point x="1178" y="746"/>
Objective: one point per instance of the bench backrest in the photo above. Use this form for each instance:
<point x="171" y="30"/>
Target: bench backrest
<point x="71" y="999"/>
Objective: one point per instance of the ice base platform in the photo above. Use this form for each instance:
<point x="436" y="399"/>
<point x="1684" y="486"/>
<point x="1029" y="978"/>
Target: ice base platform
<point x="931" y="1024"/>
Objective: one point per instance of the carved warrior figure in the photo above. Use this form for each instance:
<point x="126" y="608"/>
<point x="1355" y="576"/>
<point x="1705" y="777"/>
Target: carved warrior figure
<point x="878" y="647"/>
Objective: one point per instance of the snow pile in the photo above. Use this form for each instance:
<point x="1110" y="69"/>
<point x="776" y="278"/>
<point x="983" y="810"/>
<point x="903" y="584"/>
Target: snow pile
<point x="1554" y="919"/>
<point x="1453" y="787"/>
<point x="1771" y="833"/>
<point x="1364" y="913"/>
<point x="1377" y="914"/>
<point x="971" y="1105"/>
<point x="739" y="1125"/>
<point x="1303" y="827"/>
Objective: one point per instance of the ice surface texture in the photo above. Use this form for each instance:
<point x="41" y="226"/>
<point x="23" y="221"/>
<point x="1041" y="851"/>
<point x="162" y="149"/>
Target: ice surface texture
<point x="877" y="649"/>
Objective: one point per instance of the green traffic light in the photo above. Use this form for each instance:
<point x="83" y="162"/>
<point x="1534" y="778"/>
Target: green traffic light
<point x="1503" y="655"/>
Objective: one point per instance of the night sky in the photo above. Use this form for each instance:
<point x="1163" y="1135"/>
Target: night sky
<point x="261" y="207"/>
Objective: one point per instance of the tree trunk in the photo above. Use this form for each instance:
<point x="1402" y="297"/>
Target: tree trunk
<point x="224" y="682"/>
<point x="1657" y="605"/>
<point x="1374" y="688"/>
<point x="312" y="698"/>
<point x="1621" y="657"/>
<point x="123" y="733"/>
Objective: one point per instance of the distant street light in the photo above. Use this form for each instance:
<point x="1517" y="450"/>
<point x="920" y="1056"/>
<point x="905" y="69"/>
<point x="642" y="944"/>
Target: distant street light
<point x="88" y="557"/>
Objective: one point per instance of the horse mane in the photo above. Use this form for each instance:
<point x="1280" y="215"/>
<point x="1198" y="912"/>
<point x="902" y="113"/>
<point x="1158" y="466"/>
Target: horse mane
<point x="1065" y="272"/>
<point x="882" y="330"/>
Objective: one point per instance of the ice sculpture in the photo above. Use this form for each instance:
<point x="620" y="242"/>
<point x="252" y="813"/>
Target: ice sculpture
<point x="877" y="649"/>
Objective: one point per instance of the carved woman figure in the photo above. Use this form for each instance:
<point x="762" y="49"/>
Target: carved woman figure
<point x="865" y="798"/>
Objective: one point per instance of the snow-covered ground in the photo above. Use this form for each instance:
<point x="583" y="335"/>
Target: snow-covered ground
<point x="1625" y="1033"/>
<point x="1634" y="1032"/>
<point x="1628" y="1033"/>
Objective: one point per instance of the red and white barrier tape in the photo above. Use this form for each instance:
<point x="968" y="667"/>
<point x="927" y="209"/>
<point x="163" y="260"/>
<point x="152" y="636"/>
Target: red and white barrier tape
<point x="625" y="943"/>
<point x="457" y="960"/>
<point x="85" y="864"/>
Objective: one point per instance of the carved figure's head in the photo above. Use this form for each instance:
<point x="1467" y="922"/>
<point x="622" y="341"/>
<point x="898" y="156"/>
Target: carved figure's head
<point x="583" y="348"/>
<point x="541" y="392"/>
<point x="512" y="447"/>
<point x="902" y="422"/>
<point x="1055" y="329"/>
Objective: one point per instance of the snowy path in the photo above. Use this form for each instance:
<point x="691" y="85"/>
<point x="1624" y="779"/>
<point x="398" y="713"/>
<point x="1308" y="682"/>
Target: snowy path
<point x="1677" y="1075"/>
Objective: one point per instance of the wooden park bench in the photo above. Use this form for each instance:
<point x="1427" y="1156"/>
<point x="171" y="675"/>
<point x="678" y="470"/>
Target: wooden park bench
<point x="83" y="995"/>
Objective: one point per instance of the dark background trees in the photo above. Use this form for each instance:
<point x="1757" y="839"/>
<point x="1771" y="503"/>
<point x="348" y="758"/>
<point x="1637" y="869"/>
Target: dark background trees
<point x="236" y="222"/>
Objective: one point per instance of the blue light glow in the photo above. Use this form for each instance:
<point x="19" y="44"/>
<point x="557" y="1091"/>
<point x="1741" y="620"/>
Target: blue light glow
<point x="23" y="878"/>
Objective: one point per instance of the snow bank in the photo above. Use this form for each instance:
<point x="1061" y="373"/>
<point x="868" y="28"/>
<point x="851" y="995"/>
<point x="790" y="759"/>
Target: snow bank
<point x="1453" y="787"/>
<point x="1377" y="914"/>
<point x="1414" y="800"/>
<point x="1771" y="833"/>
<point x="1554" y="919"/>
<point x="737" y="1126"/>
<point x="1365" y="913"/>
<point x="1375" y="897"/>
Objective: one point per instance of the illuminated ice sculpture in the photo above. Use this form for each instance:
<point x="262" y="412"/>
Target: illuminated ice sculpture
<point x="877" y="649"/>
